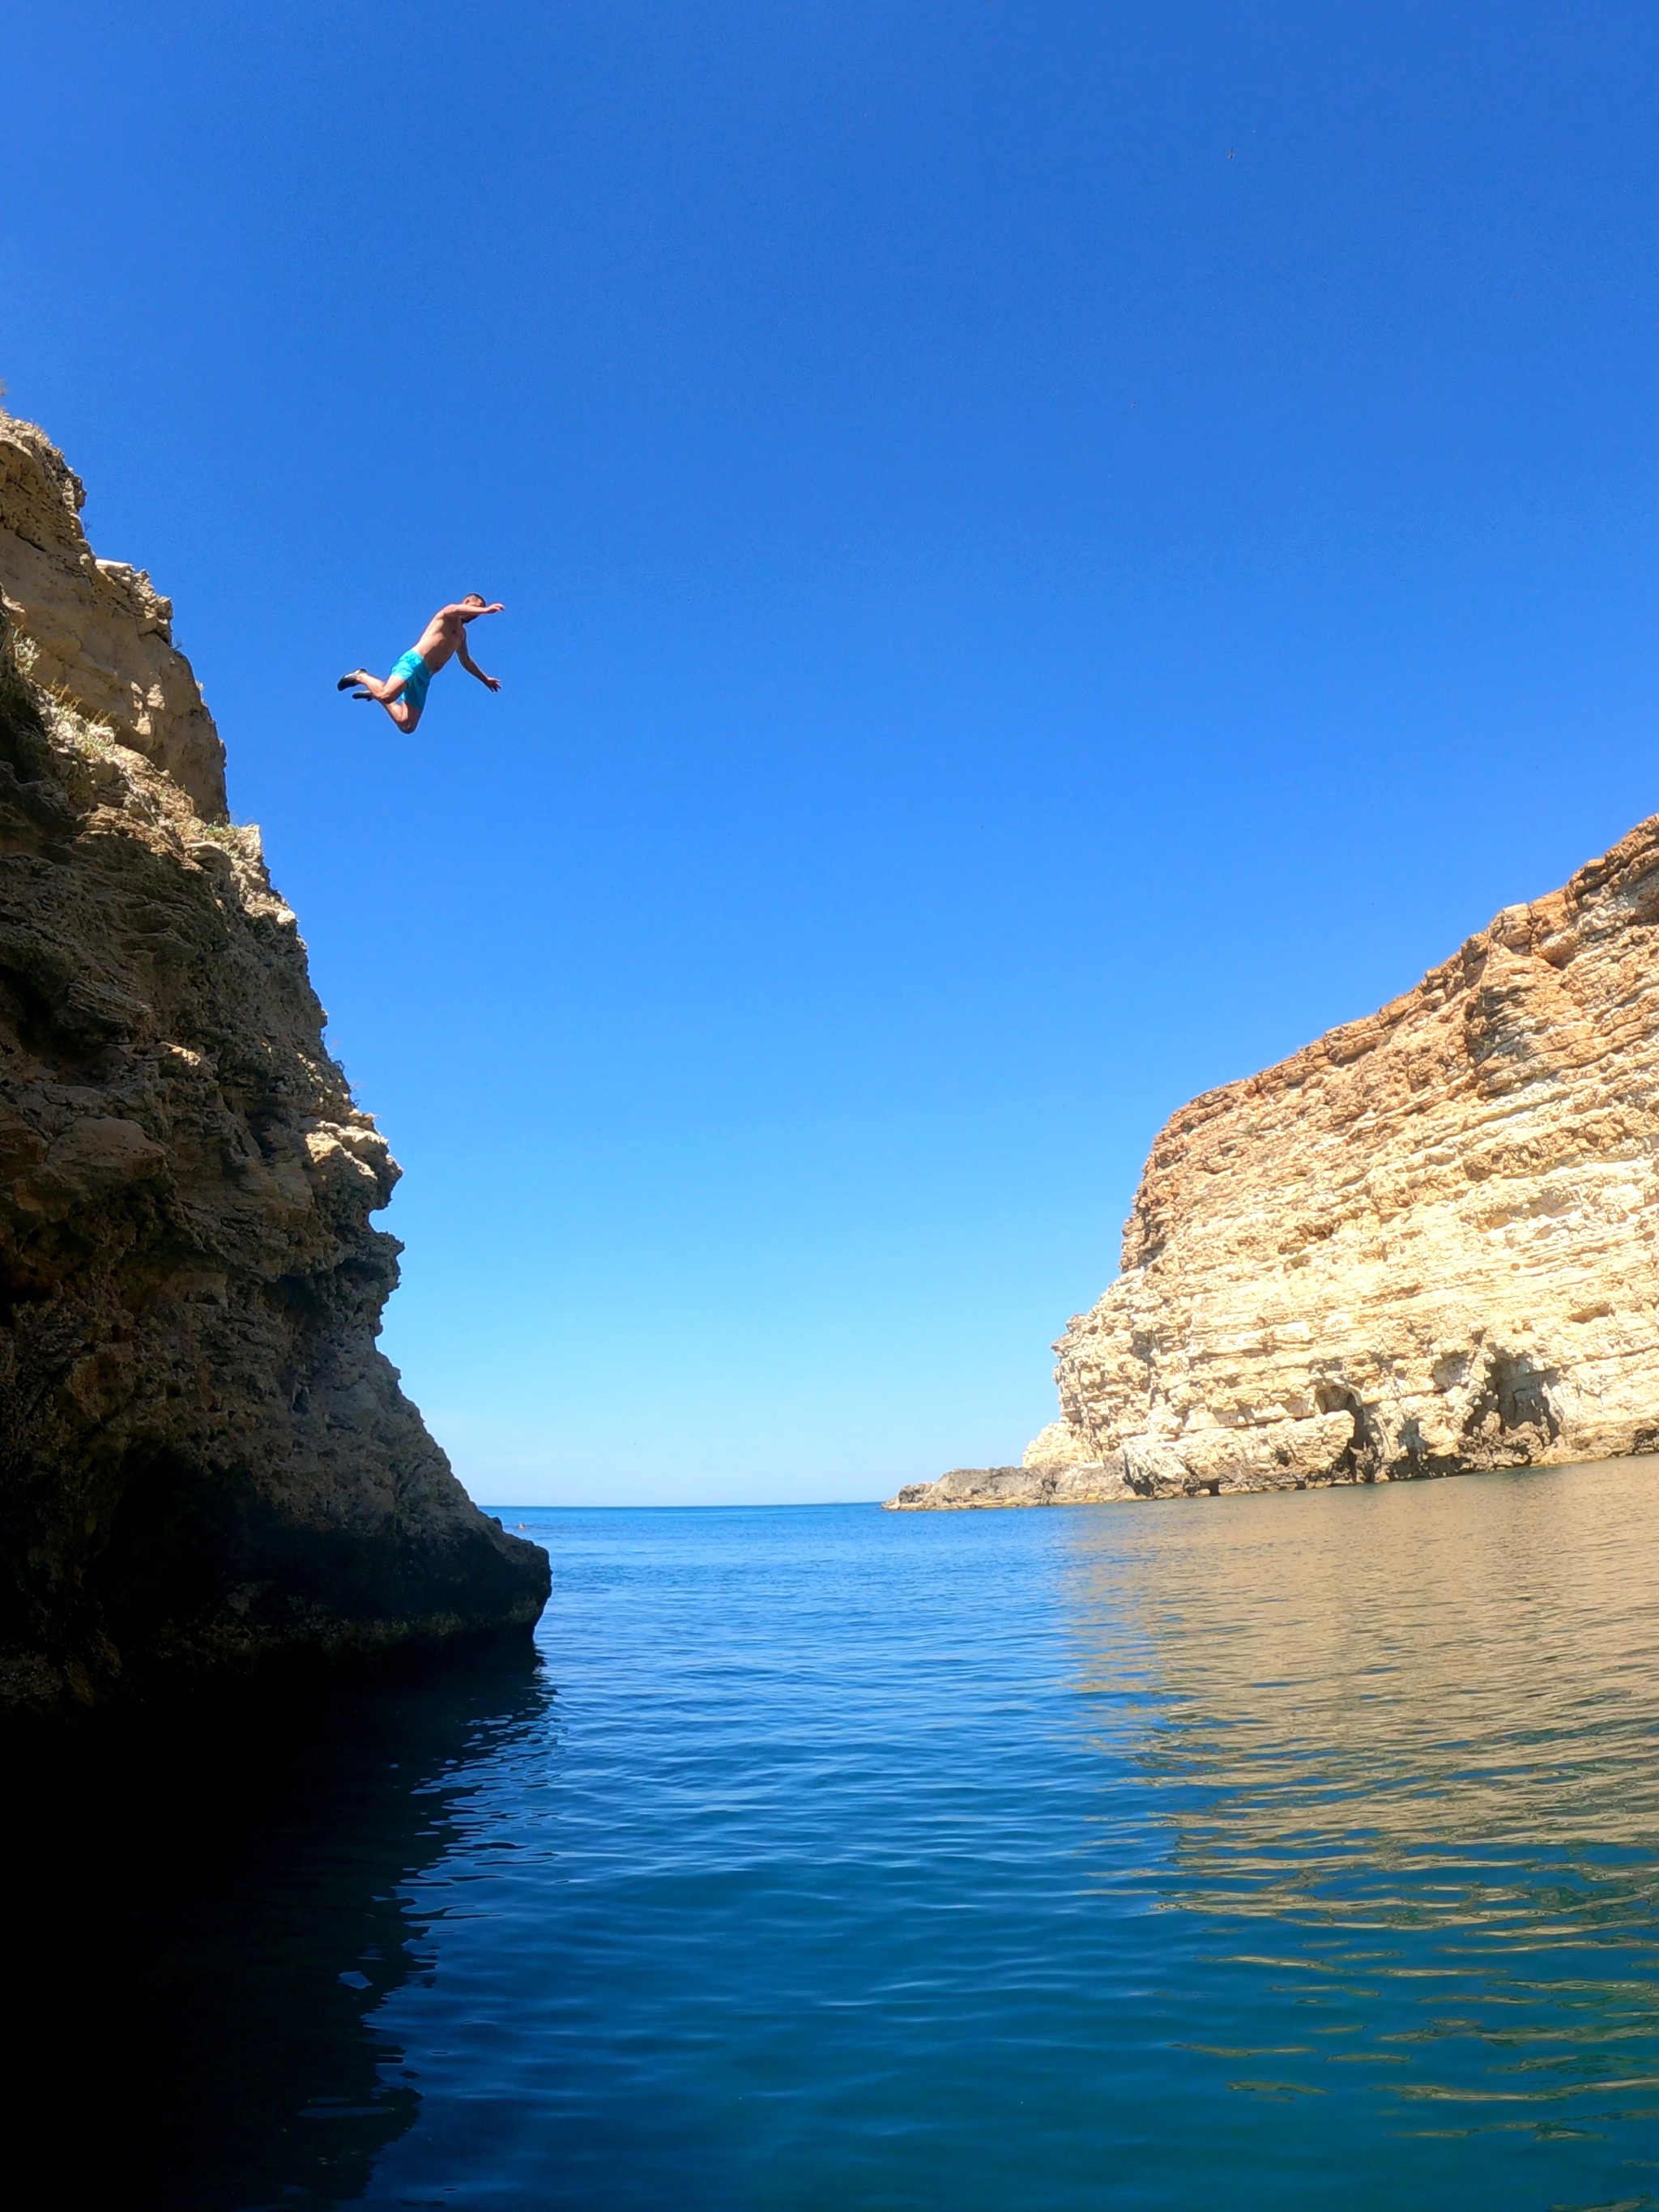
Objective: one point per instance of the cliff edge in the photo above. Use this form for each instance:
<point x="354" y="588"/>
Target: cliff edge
<point x="1424" y="1245"/>
<point x="204" y="1460"/>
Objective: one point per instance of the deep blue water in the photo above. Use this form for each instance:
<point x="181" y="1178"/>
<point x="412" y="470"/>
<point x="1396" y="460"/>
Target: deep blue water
<point x="1267" y="1851"/>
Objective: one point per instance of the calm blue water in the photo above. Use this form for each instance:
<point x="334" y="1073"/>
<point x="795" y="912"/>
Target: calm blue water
<point x="1270" y="1851"/>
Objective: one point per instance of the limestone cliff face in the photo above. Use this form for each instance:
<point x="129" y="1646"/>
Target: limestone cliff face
<point x="1424" y="1245"/>
<point x="95" y="635"/>
<point x="203" y="1459"/>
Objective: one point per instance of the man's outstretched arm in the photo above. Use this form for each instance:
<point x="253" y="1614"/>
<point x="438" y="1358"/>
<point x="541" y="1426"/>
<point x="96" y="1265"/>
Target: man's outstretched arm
<point x="490" y="682"/>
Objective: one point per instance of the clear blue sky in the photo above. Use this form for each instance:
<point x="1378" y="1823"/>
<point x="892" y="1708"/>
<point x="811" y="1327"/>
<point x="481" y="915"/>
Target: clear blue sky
<point x="1052" y="552"/>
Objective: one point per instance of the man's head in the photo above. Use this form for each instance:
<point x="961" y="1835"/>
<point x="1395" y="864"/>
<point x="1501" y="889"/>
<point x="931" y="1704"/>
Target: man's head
<point x="474" y="599"/>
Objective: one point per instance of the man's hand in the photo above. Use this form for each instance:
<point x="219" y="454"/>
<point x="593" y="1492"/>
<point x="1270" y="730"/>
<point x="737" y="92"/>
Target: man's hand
<point x="490" y="682"/>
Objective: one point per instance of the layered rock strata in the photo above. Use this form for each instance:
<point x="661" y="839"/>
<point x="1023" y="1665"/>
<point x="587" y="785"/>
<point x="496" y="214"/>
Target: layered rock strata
<point x="204" y="1459"/>
<point x="1423" y="1245"/>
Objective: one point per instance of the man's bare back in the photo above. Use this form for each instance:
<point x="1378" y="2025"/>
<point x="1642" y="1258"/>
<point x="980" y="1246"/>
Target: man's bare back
<point x="403" y="693"/>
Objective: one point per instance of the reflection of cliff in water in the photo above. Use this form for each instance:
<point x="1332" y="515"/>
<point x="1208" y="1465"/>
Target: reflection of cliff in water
<point x="205" y="1919"/>
<point x="1340" y="1689"/>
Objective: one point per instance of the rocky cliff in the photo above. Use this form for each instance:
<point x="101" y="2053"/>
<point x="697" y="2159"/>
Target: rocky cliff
<point x="203" y="1459"/>
<point x="1424" y="1245"/>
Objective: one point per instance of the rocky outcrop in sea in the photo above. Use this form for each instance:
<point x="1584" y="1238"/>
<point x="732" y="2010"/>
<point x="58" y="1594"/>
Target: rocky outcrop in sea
<point x="204" y="1460"/>
<point x="1424" y="1245"/>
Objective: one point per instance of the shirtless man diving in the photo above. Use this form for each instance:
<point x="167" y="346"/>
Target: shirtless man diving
<point x="404" y="692"/>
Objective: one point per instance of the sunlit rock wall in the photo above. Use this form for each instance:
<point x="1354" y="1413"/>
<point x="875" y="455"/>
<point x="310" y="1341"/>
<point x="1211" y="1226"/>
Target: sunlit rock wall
<point x="1425" y="1244"/>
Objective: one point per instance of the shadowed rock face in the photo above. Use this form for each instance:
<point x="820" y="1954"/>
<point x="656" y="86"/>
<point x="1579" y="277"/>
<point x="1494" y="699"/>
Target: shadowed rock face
<point x="203" y="1459"/>
<point x="1427" y="1244"/>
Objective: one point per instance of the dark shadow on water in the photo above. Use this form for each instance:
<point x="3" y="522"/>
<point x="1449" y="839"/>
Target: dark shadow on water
<point x="205" y="1911"/>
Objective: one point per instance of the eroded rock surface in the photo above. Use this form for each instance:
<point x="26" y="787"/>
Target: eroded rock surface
<point x="203" y="1458"/>
<point x="95" y="635"/>
<point x="1423" y="1245"/>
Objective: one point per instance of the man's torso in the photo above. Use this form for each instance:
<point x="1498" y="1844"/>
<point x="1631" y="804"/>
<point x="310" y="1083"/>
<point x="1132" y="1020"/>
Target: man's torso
<point x="440" y="639"/>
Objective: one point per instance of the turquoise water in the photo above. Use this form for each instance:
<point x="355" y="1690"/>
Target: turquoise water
<point x="1270" y="1851"/>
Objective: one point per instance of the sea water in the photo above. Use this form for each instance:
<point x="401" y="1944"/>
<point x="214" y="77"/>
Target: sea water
<point x="1267" y="1851"/>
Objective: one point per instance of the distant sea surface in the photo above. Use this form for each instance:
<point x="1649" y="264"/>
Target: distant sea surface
<point x="1268" y="1851"/>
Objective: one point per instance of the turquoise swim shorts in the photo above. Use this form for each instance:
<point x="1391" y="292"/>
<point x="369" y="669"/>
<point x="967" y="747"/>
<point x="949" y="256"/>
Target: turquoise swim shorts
<point x="416" y="677"/>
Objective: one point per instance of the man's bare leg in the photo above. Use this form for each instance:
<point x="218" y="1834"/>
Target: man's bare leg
<point x="388" y="693"/>
<point x="386" y="689"/>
